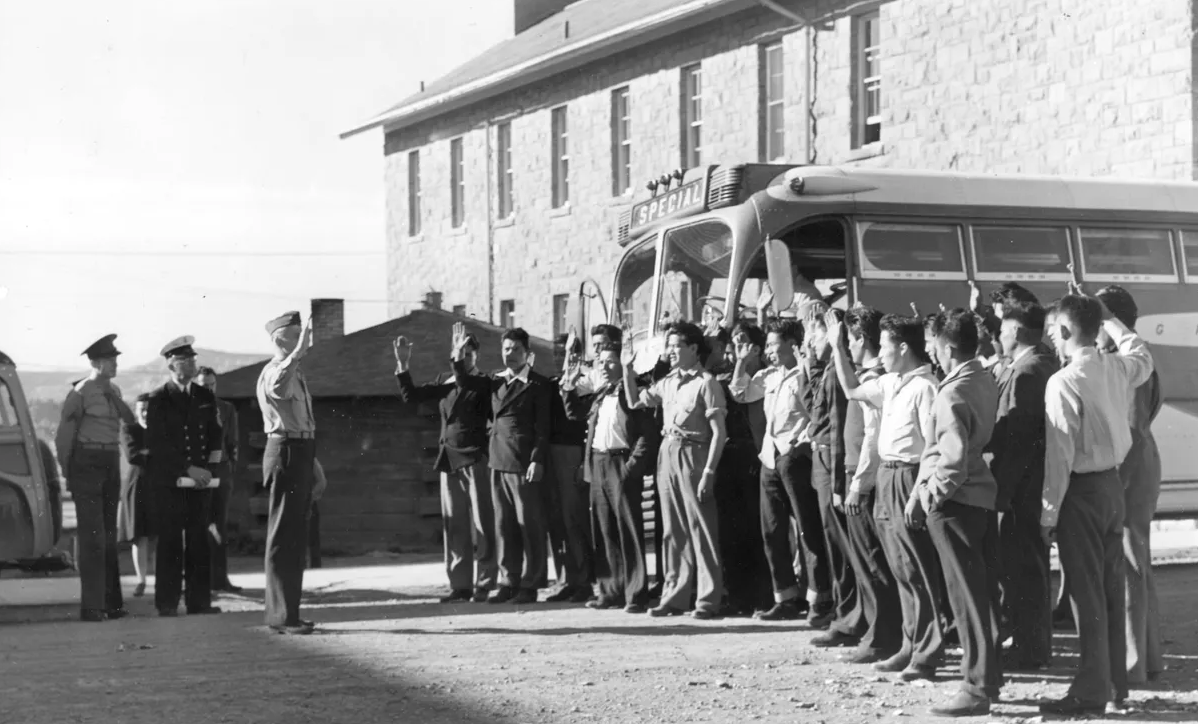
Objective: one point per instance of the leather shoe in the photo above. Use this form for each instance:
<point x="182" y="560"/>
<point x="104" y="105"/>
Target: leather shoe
<point x="115" y="614"/>
<point x="503" y="594"/>
<point x="915" y="672"/>
<point x="821" y="621"/>
<point x="634" y="608"/>
<point x="963" y="704"/>
<point x="203" y="611"/>
<point x="294" y="629"/>
<point x="526" y="595"/>
<point x="704" y="614"/>
<point x="665" y="611"/>
<point x="1073" y="706"/>
<point x="565" y="593"/>
<point x="894" y="664"/>
<point x="582" y="594"/>
<point x="457" y="595"/>
<point x="92" y="615"/>
<point x="867" y="656"/>
<point x="139" y="590"/>
<point x="833" y="639"/>
<point x="601" y="603"/>
<point x="781" y="611"/>
<point x="480" y="595"/>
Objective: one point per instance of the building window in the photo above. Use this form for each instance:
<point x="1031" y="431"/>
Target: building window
<point x="459" y="310"/>
<point x="561" y="305"/>
<point x="504" y="142"/>
<point x="692" y="116"/>
<point x="621" y="143"/>
<point x="457" y="182"/>
<point x="867" y="80"/>
<point x="414" y="193"/>
<point x="507" y="313"/>
<point x="561" y="158"/>
<point x="773" y="103"/>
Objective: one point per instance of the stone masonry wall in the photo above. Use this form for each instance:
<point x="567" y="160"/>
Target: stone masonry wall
<point x="1080" y="87"/>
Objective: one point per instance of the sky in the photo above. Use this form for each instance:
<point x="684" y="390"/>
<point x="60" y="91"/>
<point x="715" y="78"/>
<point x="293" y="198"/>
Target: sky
<point x="170" y="169"/>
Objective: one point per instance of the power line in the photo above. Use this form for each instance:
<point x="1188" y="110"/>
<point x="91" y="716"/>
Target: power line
<point x="223" y="254"/>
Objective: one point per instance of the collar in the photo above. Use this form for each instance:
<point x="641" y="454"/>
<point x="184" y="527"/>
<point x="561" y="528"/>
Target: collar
<point x="185" y="388"/>
<point x="688" y="374"/>
<point x="522" y="375"/>
<point x="1027" y="351"/>
<point x="1080" y="355"/>
<point x="961" y="370"/>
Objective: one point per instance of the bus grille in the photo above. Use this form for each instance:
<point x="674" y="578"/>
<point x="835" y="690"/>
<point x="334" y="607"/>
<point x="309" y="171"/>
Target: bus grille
<point x="724" y="188"/>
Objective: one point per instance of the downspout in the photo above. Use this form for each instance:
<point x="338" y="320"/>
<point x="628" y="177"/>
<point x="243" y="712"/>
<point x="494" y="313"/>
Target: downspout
<point x="809" y="50"/>
<point x="490" y="230"/>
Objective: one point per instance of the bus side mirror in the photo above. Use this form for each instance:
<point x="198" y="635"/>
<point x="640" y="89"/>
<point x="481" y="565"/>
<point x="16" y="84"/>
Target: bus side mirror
<point x="777" y="261"/>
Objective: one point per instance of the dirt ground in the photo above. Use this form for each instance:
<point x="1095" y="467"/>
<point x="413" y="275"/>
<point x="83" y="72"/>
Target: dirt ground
<point x="398" y="656"/>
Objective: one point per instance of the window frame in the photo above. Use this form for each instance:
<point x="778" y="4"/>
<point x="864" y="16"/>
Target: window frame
<point x="507" y="309"/>
<point x="767" y="103"/>
<point x="863" y="54"/>
<point x="1185" y="256"/>
<point x="1070" y="238"/>
<point x="562" y="315"/>
<point x="559" y="149"/>
<point x="415" y="195"/>
<point x="692" y="157"/>
<point x="506" y="202"/>
<point x="914" y="276"/>
<point x="621" y="142"/>
<point x="457" y="182"/>
<point x="1126" y="278"/>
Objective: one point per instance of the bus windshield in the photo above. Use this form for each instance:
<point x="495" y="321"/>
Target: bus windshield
<point x="695" y="273"/>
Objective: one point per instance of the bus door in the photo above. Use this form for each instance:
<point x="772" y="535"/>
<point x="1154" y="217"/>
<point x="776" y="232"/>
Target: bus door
<point x="26" y="519"/>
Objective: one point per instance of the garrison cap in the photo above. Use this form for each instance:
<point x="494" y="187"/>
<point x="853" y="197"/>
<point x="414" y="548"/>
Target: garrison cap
<point x="286" y="319"/>
<point x="179" y="347"/>
<point x="103" y="348"/>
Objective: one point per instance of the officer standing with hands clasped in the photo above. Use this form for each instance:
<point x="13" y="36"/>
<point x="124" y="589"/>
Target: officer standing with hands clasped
<point x="183" y="437"/>
<point x="88" y="444"/>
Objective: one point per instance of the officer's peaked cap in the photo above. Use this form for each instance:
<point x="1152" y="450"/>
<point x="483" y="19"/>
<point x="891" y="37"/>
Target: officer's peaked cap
<point x="102" y="348"/>
<point x="179" y="347"/>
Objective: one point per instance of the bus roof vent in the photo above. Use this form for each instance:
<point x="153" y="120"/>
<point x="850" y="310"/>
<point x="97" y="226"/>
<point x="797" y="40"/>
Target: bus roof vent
<point x="724" y="187"/>
<point x="622" y="225"/>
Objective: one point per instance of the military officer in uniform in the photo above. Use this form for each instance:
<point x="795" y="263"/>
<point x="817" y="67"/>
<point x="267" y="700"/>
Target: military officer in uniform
<point x="183" y="436"/>
<point x="88" y="444"/>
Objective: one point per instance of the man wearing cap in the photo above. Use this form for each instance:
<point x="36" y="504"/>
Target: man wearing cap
<point x="288" y="465"/>
<point x="183" y="436"/>
<point x="88" y="444"/>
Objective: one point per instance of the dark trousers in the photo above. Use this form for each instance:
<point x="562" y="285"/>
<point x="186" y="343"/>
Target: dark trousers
<point x="618" y="519"/>
<point x="468" y="527"/>
<point x="95" y="481"/>
<point x="182" y="552"/>
<point x="1024" y="570"/>
<point x="850" y="618"/>
<point x="287" y="469"/>
<point x="737" y="495"/>
<point x="786" y="494"/>
<point x="568" y="515"/>
<point x="520" y="527"/>
<point x="219" y="531"/>
<point x="912" y="558"/>
<point x="959" y="533"/>
<point x="1090" y="539"/>
<point x="877" y="590"/>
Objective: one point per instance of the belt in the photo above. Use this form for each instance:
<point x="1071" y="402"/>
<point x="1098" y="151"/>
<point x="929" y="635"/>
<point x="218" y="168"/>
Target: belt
<point x="620" y="451"/>
<point x="821" y="445"/>
<point x="686" y="440"/>
<point x="898" y="464"/>
<point x="99" y="446"/>
<point x="285" y="435"/>
<point x="1095" y="474"/>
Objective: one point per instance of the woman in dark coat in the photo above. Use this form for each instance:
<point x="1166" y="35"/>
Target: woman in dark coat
<point x="134" y="519"/>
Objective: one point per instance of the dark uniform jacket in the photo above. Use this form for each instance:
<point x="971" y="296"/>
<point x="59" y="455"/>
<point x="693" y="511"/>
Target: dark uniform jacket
<point x="520" y="426"/>
<point x="182" y="430"/>
<point x="1018" y="438"/>
<point x="464" y="414"/>
<point x="226" y="415"/>
<point x="639" y="428"/>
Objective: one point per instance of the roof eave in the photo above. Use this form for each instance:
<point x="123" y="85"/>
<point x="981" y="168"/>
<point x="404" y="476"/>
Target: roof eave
<point x="632" y="34"/>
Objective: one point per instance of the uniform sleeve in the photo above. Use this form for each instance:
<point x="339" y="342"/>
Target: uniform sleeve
<point x="281" y="380"/>
<point x="1134" y="358"/>
<point x="950" y="469"/>
<point x="714" y="402"/>
<point x="1063" y="413"/>
<point x="410" y="392"/>
<point x="68" y="427"/>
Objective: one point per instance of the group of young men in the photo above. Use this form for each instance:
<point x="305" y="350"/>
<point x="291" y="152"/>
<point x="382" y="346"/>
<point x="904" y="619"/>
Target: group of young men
<point x="897" y="481"/>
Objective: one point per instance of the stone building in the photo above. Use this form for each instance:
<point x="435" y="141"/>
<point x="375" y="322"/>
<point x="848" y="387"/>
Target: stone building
<point x="505" y="178"/>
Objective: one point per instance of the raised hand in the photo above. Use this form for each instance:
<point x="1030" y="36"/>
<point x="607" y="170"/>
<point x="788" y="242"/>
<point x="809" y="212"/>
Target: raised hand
<point x="1075" y="286"/>
<point x="627" y="354"/>
<point x="835" y="327"/>
<point x="570" y="359"/>
<point x="403" y="349"/>
<point x="460" y="340"/>
<point x="975" y="296"/>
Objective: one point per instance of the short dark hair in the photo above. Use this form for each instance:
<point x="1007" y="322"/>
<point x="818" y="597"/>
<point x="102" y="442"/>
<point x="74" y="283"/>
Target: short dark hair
<point x="866" y="322"/>
<point x="611" y="331"/>
<point x="1027" y="315"/>
<point x="1083" y="312"/>
<point x="517" y="334"/>
<point x="960" y="330"/>
<point x="752" y="331"/>
<point x="1121" y="304"/>
<point x="689" y="333"/>
<point x="786" y="329"/>
<point x="610" y="347"/>
<point x="1012" y="293"/>
<point x="906" y="330"/>
<point x="205" y="371"/>
<point x="934" y="323"/>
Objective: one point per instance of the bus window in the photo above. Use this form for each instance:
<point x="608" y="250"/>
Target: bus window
<point x="910" y="251"/>
<point x="1127" y="255"/>
<point x="694" y="284"/>
<point x="1189" y="249"/>
<point x="1031" y="253"/>
<point x="8" y="409"/>
<point x="634" y="288"/>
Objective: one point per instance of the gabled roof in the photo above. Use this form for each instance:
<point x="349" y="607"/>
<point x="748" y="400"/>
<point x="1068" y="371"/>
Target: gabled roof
<point x="597" y="29"/>
<point x="362" y="364"/>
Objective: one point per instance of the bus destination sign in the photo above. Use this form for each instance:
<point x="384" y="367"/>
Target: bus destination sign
<point x="688" y="197"/>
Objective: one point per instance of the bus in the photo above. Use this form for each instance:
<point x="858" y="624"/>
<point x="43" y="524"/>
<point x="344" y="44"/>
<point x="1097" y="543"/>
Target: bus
<point x="723" y="241"/>
<point x="30" y="506"/>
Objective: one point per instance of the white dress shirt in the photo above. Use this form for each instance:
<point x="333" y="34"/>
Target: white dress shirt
<point x="608" y="434"/>
<point x="1088" y="406"/>
<point x="905" y="402"/>
<point x="522" y="375"/>
<point x="786" y="416"/>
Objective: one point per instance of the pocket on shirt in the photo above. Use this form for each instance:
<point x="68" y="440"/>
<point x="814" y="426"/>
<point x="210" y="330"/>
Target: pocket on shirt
<point x="685" y="413"/>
